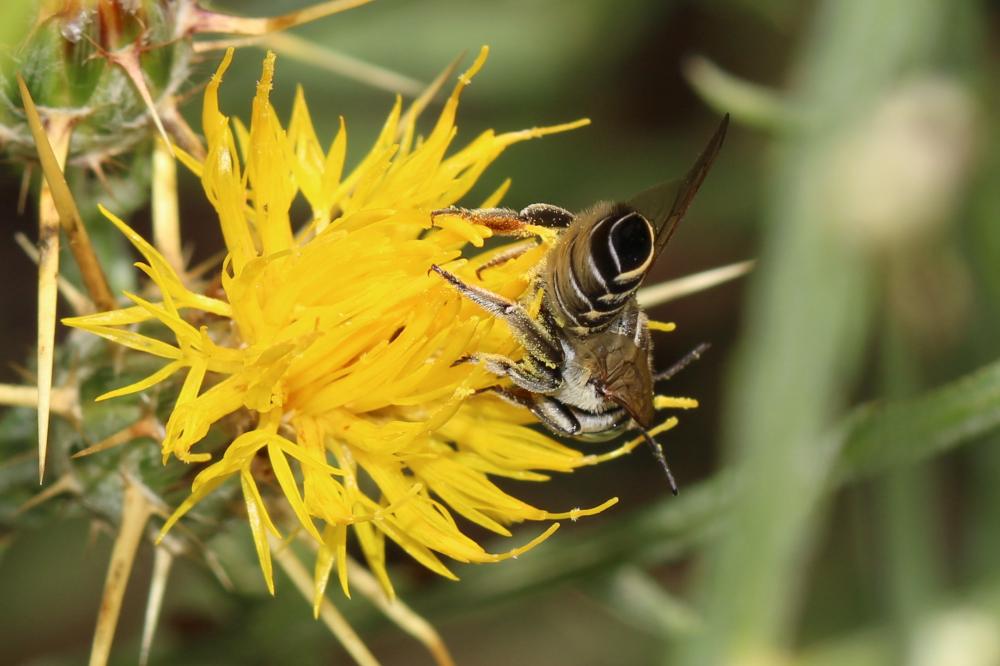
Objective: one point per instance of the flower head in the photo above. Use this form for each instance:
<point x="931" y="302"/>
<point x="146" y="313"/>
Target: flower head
<point x="339" y="344"/>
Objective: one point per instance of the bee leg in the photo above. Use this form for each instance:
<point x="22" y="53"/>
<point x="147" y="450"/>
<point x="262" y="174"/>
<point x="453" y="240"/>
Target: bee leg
<point x="554" y="415"/>
<point x="501" y="221"/>
<point x="526" y="375"/>
<point x="509" y="222"/>
<point x="529" y="332"/>
<point x="511" y="253"/>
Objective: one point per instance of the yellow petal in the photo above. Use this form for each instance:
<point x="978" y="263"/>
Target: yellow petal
<point x="260" y="523"/>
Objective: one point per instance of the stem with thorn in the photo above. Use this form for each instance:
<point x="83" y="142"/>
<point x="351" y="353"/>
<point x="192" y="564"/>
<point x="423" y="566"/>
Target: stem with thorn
<point x="136" y="510"/>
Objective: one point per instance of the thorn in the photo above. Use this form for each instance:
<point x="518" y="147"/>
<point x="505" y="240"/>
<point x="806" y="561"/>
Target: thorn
<point x="211" y="263"/>
<point x="212" y="560"/>
<point x="66" y="483"/>
<point x="207" y="46"/>
<point x="128" y="59"/>
<point x="60" y="128"/>
<point x="135" y="515"/>
<point x="303" y="50"/>
<point x="95" y="529"/>
<point x="93" y="163"/>
<point x="148" y="426"/>
<point x="203" y="21"/>
<point x="78" y="301"/>
<point x="178" y="128"/>
<point x="672" y="290"/>
<point x="22" y="194"/>
<point x="65" y="400"/>
<point x="163" y="559"/>
<point x="65" y="205"/>
<point x="25" y="374"/>
<point x="214" y="564"/>
<point x="410" y="116"/>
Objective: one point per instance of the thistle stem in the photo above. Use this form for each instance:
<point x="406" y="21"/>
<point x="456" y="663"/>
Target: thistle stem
<point x="328" y="613"/>
<point x="166" y="218"/>
<point x="402" y="615"/>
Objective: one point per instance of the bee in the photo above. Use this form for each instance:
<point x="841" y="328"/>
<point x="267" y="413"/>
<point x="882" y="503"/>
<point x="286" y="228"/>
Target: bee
<point x="587" y="370"/>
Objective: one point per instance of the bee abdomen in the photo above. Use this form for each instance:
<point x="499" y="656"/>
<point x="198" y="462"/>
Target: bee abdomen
<point x="600" y="264"/>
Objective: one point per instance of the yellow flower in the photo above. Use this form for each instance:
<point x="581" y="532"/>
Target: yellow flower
<point x="341" y="347"/>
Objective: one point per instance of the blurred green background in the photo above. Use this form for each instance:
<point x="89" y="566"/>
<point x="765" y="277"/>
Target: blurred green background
<point x="862" y="170"/>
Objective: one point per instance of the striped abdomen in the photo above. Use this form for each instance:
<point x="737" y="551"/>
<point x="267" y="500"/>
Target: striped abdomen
<point x="597" y="266"/>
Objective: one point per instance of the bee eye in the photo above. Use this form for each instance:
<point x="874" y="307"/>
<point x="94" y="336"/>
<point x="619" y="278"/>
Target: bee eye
<point x="630" y="242"/>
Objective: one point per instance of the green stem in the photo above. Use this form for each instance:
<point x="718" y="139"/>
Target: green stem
<point x="804" y="338"/>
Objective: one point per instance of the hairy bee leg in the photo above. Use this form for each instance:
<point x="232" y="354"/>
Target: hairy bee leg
<point x="509" y="222"/>
<point x="530" y="333"/>
<point x="525" y="375"/>
<point x="684" y="362"/>
<point x="554" y="415"/>
<point x="511" y="253"/>
<point x="501" y="221"/>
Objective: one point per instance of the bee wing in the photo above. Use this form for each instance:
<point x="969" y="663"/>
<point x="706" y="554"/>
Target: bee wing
<point x="664" y="205"/>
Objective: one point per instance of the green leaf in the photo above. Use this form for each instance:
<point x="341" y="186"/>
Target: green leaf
<point x="912" y="430"/>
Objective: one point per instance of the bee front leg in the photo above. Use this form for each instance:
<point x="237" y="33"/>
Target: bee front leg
<point x="535" y="338"/>
<point x="509" y="222"/>
<point x="511" y="253"/>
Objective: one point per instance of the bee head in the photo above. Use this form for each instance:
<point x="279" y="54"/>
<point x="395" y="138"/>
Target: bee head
<point x="639" y="406"/>
<point x="623" y="377"/>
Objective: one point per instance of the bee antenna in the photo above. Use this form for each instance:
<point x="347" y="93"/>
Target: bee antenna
<point x="658" y="452"/>
<point x="684" y="362"/>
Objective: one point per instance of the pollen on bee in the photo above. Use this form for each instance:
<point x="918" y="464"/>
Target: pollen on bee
<point x="536" y="303"/>
<point x="664" y="326"/>
<point x="464" y="392"/>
